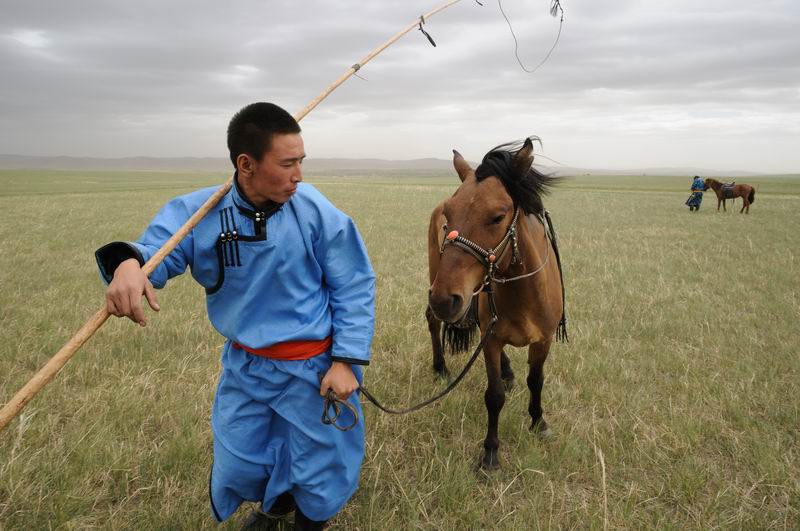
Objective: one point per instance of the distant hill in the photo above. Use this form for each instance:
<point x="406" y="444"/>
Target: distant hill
<point x="318" y="165"/>
<point x="654" y="172"/>
<point x="311" y="166"/>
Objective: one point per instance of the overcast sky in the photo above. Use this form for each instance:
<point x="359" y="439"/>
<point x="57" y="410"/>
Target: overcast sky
<point x="632" y="84"/>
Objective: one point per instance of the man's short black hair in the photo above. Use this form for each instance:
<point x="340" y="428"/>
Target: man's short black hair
<point x="251" y="129"/>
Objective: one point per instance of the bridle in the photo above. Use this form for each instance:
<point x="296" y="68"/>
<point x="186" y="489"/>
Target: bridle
<point x="490" y="258"/>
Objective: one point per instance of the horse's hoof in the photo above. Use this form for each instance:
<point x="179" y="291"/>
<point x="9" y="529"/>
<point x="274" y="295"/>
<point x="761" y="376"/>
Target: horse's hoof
<point x="542" y="431"/>
<point x="508" y="383"/>
<point x="490" y="462"/>
<point x="442" y="374"/>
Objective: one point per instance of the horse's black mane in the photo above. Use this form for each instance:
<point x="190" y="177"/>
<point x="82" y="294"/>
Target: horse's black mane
<point x="526" y="189"/>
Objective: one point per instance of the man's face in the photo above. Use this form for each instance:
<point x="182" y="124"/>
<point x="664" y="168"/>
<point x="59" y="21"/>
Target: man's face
<point x="276" y="176"/>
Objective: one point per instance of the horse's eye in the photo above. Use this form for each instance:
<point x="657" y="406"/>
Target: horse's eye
<point x="498" y="220"/>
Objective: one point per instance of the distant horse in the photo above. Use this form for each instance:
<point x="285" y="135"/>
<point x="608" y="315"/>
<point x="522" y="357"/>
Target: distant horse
<point x="732" y="191"/>
<point x="494" y="233"/>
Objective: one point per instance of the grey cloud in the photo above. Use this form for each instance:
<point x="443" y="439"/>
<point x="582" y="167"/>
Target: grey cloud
<point x="139" y="78"/>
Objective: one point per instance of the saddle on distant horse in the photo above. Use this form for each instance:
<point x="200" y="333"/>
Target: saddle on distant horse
<point x="727" y="190"/>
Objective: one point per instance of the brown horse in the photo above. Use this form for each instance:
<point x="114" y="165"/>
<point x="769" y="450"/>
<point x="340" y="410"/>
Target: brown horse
<point x="732" y="191"/>
<point x="494" y="232"/>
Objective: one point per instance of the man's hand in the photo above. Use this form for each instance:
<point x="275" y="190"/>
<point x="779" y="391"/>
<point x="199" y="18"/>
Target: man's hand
<point x="341" y="379"/>
<point x="124" y="294"/>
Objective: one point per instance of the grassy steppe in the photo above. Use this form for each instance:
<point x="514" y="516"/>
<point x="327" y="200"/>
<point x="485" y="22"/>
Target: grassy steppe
<point x="675" y="404"/>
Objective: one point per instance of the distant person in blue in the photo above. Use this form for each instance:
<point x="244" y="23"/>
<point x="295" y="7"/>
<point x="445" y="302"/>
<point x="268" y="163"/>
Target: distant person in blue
<point x="698" y="187"/>
<point x="288" y="282"/>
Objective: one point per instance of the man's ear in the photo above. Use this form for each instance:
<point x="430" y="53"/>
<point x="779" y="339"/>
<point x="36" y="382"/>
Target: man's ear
<point x="245" y="165"/>
<point x="461" y="165"/>
<point x="524" y="158"/>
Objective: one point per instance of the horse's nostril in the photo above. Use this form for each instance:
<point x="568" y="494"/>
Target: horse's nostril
<point x="455" y="303"/>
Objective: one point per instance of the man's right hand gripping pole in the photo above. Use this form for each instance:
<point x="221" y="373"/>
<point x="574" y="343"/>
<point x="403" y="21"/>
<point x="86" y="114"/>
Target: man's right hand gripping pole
<point x="124" y="294"/>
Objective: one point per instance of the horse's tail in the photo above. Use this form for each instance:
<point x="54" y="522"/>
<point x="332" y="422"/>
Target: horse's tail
<point x="752" y="197"/>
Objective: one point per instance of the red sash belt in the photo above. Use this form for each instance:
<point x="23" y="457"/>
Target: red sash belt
<point x="291" y="350"/>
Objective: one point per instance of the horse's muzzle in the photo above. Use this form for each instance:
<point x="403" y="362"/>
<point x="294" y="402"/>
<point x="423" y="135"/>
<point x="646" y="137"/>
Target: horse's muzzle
<point x="448" y="307"/>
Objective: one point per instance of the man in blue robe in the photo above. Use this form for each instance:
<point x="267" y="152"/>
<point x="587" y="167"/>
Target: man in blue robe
<point x="698" y="187"/>
<point x="288" y="282"/>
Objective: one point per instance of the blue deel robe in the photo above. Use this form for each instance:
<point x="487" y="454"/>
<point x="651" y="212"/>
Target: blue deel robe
<point x="697" y="193"/>
<point x="296" y="271"/>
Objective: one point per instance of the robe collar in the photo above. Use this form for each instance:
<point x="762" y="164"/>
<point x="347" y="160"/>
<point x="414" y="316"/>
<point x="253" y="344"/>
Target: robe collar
<point x="247" y="208"/>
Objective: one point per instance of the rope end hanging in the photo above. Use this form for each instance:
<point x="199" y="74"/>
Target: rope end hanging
<point x="421" y="22"/>
<point x="555" y="7"/>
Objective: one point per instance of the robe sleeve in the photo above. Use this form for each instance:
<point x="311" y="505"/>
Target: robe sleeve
<point x="350" y="280"/>
<point x="161" y="228"/>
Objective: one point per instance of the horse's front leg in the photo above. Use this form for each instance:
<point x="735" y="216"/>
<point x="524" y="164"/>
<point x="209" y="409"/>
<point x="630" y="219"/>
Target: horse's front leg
<point x="537" y="354"/>
<point x="495" y="398"/>
<point x="719" y="202"/>
<point x="434" y="327"/>
<point x="506" y="372"/>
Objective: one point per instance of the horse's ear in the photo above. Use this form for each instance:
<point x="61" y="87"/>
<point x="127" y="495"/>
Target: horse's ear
<point x="461" y="165"/>
<point x="524" y="158"/>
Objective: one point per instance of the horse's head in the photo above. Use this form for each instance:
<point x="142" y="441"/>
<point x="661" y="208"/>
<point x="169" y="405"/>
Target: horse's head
<point x="481" y="211"/>
<point x="707" y="183"/>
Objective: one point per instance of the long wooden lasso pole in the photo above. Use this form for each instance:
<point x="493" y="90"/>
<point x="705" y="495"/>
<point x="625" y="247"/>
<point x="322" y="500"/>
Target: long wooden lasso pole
<point x="52" y="367"/>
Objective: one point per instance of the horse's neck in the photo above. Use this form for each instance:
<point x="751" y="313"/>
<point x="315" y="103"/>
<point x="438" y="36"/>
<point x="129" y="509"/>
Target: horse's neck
<point x="534" y="248"/>
<point x="533" y="244"/>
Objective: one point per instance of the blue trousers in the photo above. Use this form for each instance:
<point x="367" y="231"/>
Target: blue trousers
<point x="269" y="438"/>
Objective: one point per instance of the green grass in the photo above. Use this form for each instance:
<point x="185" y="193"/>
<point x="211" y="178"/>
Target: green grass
<point x="674" y="405"/>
